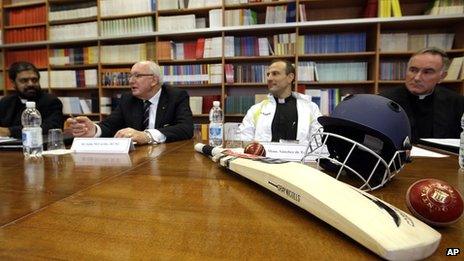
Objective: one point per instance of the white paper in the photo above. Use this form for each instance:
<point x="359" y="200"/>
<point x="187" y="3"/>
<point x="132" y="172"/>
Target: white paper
<point x="446" y="142"/>
<point x="419" y="152"/>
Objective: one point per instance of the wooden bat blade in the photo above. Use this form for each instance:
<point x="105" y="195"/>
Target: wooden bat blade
<point x="377" y="225"/>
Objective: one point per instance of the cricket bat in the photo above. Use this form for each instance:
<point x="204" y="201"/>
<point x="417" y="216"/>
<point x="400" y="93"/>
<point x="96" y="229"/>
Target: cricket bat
<point x="387" y="231"/>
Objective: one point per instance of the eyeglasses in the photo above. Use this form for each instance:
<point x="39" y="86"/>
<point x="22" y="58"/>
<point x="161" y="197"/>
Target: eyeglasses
<point x="139" y="75"/>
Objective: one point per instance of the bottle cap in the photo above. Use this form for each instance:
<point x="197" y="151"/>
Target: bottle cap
<point x="216" y="103"/>
<point x="30" y="104"/>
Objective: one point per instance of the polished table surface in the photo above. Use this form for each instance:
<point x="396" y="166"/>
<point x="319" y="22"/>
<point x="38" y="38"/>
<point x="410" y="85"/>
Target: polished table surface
<point x="169" y="202"/>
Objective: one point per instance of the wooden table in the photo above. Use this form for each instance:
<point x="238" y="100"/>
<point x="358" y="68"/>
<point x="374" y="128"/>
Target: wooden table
<point x="169" y="202"/>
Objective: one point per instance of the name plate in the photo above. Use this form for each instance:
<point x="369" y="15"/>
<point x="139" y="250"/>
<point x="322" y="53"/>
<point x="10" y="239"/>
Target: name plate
<point x="286" y="151"/>
<point x="102" y="145"/>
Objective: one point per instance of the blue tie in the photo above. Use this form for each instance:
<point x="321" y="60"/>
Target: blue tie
<point x="146" y="114"/>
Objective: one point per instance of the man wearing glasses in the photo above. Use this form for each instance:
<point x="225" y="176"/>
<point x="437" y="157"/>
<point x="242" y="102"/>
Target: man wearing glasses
<point x="25" y="79"/>
<point x="151" y="114"/>
<point x="433" y="111"/>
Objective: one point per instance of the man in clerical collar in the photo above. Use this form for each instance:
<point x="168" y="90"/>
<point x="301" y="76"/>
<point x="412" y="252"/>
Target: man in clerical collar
<point x="25" y="78"/>
<point x="433" y="111"/>
<point x="283" y="115"/>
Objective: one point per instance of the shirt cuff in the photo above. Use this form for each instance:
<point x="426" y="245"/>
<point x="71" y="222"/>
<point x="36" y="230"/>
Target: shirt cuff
<point x="98" y="133"/>
<point x="158" y="137"/>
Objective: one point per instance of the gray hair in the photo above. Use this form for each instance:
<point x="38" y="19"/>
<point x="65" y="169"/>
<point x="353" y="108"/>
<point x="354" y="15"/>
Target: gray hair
<point x="155" y="69"/>
<point x="435" y="51"/>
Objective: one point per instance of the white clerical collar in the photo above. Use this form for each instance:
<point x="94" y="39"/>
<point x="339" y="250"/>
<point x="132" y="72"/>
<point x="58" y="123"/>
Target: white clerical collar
<point x="421" y="97"/>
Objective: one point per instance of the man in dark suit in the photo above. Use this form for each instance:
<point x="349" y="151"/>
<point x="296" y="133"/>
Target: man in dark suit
<point x="25" y="79"/>
<point x="433" y="111"/>
<point x="166" y="118"/>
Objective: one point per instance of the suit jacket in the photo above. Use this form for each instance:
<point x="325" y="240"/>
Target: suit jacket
<point x="173" y="115"/>
<point x="49" y="106"/>
<point x="448" y="107"/>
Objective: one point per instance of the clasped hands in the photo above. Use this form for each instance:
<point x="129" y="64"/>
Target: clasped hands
<point x="82" y="126"/>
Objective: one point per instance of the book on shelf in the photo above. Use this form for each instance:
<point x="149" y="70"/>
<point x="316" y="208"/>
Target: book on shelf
<point x="391" y="70"/>
<point x="238" y="104"/>
<point x="215" y="18"/>
<point x="127" y="53"/>
<point x="124" y="7"/>
<point x="70" y="31"/>
<point x="371" y="9"/>
<point x="444" y="7"/>
<point x="332" y="43"/>
<point x="25" y="35"/>
<point x="402" y="42"/>
<point x="26" y="15"/>
<point x="137" y="25"/>
<point x="36" y="56"/>
<point x="389" y="8"/>
<point x="302" y="12"/>
<point x="192" y="74"/>
<point x="208" y="102"/>
<point x="325" y="99"/>
<point x="115" y="77"/>
<point x="73" y="78"/>
<point x="74" y="56"/>
<point x="455" y="69"/>
<point x="240" y="17"/>
<point x="196" y="104"/>
<point x="247" y="73"/>
<point x="68" y="11"/>
<point x="176" y="23"/>
<point x="76" y="105"/>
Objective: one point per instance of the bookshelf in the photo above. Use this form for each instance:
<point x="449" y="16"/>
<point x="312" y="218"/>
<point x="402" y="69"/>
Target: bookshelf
<point x="95" y="42"/>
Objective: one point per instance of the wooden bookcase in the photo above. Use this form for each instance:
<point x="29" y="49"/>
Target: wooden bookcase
<point x="324" y="17"/>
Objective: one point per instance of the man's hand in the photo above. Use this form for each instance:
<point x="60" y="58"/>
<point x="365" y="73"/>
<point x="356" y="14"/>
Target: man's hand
<point x="81" y="126"/>
<point x="4" y="132"/>
<point x="137" y="136"/>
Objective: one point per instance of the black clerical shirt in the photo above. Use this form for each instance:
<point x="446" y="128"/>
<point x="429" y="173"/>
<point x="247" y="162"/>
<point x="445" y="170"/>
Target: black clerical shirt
<point x="285" y="122"/>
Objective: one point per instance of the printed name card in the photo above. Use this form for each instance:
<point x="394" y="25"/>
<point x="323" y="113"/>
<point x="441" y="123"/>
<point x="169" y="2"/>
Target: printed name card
<point x="286" y="151"/>
<point x="102" y="145"/>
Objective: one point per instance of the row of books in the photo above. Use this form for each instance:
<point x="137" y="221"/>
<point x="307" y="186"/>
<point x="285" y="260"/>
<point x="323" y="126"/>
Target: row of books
<point x="400" y="42"/>
<point x="456" y="69"/>
<point x="70" y="31"/>
<point x="240" y="17"/>
<point x="201" y="48"/>
<point x="74" y="56"/>
<point x="67" y="11"/>
<point x="332" y="43"/>
<point x="127" y="53"/>
<point x="193" y="74"/>
<point x="109" y="104"/>
<point x="138" y="25"/>
<point x="30" y="34"/>
<point x="124" y="7"/>
<point x="116" y="77"/>
<point x="441" y="7"/>
<point x="238" y="104"/>
<point x="202" y="104"/>
<point x="246" y="46"/>
<point x="389" y="8"/>
<point x="246" y="73"/>
<point x="284" y="44"/>
<point x="393" y="70"/>
<point x="326" y="99"/>
<point x="332" y="71"/>
<point x="186" y="4"/>
<point x="77" y="105"/>
<point x="281" y="14"/>
<point x="176" y="23"/>
<point x="73" y="78"/>
<point x="36" y="56"/>
<point x="26" y="15"/>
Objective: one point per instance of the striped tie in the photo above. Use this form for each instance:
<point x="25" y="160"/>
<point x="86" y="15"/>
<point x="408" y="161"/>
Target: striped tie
<point x="146" y="114"/>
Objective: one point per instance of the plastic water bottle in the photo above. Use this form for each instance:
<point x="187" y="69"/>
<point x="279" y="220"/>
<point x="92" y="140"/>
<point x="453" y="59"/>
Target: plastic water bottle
<point x="461" y="145"/>
<point x="32" y="132"/>
<point x="215" y="125"/>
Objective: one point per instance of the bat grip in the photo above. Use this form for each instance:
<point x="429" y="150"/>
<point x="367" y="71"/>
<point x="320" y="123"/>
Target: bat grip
<point x="207" y="149"/>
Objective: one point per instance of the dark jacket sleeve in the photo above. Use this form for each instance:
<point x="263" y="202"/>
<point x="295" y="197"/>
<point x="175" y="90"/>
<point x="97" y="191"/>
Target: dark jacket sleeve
<point x="51" y="110"/>
<point x="178" y="121"/>
<point x="117" y="119"/>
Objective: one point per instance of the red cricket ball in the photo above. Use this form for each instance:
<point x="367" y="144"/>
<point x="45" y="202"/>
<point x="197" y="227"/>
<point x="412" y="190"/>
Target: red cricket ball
<point x="255" y="148"/>
<point x="435" y="202"/>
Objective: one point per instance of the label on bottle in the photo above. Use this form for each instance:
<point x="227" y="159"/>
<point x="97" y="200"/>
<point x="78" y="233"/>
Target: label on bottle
<point x="32" y="137"/>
